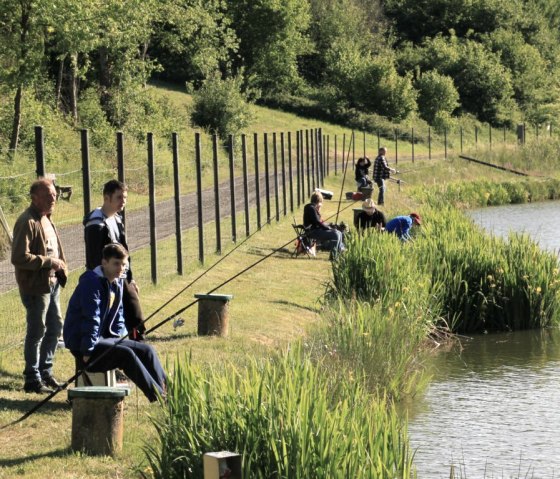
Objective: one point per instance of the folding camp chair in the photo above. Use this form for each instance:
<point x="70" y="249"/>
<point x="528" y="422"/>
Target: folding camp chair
<point x="304" y="244"/>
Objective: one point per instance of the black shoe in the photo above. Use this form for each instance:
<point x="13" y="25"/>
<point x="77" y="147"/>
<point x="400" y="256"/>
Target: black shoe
<point x="51" y="382"/>
<point x="38" y="387"/>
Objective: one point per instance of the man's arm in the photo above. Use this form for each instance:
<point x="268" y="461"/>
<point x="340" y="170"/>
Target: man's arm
<point x="96" y="237"/>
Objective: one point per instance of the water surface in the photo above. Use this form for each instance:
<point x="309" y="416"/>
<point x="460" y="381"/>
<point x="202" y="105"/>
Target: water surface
<point x="493" y="408"/>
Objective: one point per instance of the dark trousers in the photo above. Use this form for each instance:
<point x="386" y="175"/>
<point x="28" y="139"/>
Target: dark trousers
<point x="138" y="360"/>
<point x="133" y="316"/>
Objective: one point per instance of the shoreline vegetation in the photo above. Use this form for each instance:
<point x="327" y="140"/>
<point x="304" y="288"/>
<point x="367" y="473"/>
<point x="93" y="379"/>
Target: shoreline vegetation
<point x="319" y="353"/>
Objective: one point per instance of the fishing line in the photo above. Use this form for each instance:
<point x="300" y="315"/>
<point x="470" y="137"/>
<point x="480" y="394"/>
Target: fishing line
<point x="158" y="325"/>
<point x="344" y="176"/>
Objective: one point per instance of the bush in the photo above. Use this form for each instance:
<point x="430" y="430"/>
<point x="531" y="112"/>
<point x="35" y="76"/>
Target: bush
<point x="436" y="95"/>
<point x="221" y="107"/>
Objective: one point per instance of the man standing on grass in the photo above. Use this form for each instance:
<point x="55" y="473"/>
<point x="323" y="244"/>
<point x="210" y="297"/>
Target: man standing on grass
<point x="40" y="269"/>
<point x="381" y="172"/>
<point x="104" y="225"/>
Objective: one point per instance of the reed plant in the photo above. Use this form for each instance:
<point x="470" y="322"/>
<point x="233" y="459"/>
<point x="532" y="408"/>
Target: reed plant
<point x="482" y="193"/>
<point x="287" y="419"/>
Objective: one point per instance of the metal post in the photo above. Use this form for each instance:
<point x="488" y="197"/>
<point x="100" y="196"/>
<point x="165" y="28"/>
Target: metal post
<point x="396" y="147"/>
<point x="257" y="179"/>
<point x="412" y="143"/>
<point x="232" y="189"/>
<point x="312" y="141"/>
<point x="298" y="169"/>
<point x="283" y="160"/>
<point x="198" y="166"/>
<point x="266" y="178"/>
<point x="217" y="213"/>
<point x="120" y="168"/>
<point x="86" y="174"/>
<point x="429" y="143"/>
<point x="276" y="192"/>
<point x="290" y="171"/>
<point x="335" y="155"/>
<point x="177" y="191"/>
<point x="490" y="135"/>
<point x="307" y="162"/>
<point x="461" y="137"/>
<point x="245" y="184"/>
<point x="152" y="206"/>
<point x="40" y="152"/>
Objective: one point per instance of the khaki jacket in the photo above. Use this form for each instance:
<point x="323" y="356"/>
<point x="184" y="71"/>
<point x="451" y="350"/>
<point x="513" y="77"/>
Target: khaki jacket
<point x="29" y="254"/>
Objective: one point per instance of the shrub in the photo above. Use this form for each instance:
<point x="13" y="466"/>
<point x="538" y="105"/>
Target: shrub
<point x="221" y="107"/>
<point x="437" y="95"/>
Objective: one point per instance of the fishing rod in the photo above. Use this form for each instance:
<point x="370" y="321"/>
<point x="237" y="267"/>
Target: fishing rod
<point x="344" y="176"/>
<point x="158" y="325"/>
<point x="492" y="165"/>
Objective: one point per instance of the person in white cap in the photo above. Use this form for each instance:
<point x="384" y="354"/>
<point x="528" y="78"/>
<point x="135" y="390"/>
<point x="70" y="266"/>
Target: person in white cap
<point x="371" y="217"/>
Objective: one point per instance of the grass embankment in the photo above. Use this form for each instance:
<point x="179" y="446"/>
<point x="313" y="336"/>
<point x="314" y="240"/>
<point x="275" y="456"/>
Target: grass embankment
<point x="275" y="305"/>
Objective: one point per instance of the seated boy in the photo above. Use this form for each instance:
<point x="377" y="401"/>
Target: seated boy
<point x="94" y="326"/>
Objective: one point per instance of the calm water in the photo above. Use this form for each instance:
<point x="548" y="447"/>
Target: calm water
<point x="493" y="409"/>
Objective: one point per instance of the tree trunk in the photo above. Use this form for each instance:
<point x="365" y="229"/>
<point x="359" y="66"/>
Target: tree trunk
<point x="59" y="84"/>
<point x="14" y="137"/>
<point x="74" y="87"/>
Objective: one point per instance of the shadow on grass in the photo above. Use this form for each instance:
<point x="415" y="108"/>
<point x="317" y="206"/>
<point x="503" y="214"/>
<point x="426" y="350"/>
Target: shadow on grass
<point x="25" y="405"/>
<point x="171" y="337"/>
<point x="34" y="457"/>
<point x="295" y="305"/>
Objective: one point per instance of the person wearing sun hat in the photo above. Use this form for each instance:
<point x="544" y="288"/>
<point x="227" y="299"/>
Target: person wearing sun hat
<point x="401" y="225"/>
<point x="370" y="216"/>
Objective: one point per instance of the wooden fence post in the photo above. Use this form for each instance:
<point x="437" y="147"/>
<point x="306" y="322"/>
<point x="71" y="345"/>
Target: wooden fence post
<point x="177" y="193"/>
<point x="120" y="168"/>
<point x="276" y="192"/>
<point x="257" y="179"/>
<point x="40" y="152"/>
<point x="283" y="162"/>
<point x="217" y="212"/>
<point x="86" y="173"/>
<point x="198" y="167"/>
<point x="152" y="207"/>
<point x="245" y="184"/>
<point x="266" y="178"/>
<point x="232" y="190"/>
<point x="290" y="170"/>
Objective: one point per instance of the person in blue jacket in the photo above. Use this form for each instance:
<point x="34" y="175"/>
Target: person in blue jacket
<point x="94" y="327"/>
<point x="401" y="225"/>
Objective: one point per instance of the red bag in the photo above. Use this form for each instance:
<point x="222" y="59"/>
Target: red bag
<point x="357" y="196"/>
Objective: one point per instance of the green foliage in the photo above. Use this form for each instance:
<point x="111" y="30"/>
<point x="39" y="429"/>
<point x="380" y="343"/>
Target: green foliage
<point x="92" y="117"/>
<point x="285" y="416"/>
<point x="272" y="36"/>
<point x="437" y="96"/>
<point x="221" y="107"/>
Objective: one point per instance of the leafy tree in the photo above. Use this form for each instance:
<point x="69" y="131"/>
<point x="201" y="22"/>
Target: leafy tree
<point x="437" y="96"/>
<point x="193" y="39"/>
<point x="273" y="37"/>
<point x="221" y="107"/>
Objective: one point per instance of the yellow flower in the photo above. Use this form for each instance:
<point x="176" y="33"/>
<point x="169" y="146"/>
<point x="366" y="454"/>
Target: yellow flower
<point x="538" y="290"/>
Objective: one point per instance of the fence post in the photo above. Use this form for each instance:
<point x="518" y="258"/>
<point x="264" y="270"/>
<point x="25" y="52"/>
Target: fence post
<point x="396" y="146"/>
<point x="120" y="168"/>
<point x="275" y="165"/>
<point x="537" y="131"/>
<point x="217" y="213"/>
<point x="232" y="190"/>
<point x="298" y="161"/>
<point x="283" y="158"/>
<point x="245" y="184"/>
<point x="335" y="155"/>
<point x="266" y="178"/>
<point x="321" y="157"/>
<point x="198" y="167"/>
<point x="312" y="140"/>
<point x="152" y="201"/>
<point x="364" y="141"/>
<point x="412" y="143"/>
<point x="461" y="138"/>
<point x="476" y="137"/>
<point x="429" y="143"/>
<point x="302" y="156"/>
<point x="445" y="141"/>
<point x="40" y="152"/>
<point x="257" y="179"/>
<point x="307" y="162"/>
<point x="490" y="135"/>
<point x="177" y="191"/>
<point x="86" y="173"/>
<point x="290" y="170"/>
<point x="327" y="153"/>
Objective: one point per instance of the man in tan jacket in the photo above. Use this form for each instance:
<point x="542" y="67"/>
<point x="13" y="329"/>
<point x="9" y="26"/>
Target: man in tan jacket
<point x="40" y="269"/>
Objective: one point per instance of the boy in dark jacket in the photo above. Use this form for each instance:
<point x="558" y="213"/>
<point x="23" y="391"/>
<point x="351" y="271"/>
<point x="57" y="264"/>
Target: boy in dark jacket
<point x="94" y="326"/>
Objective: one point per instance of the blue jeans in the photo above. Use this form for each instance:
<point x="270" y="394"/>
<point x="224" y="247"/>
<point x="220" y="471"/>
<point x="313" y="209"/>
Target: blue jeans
<point x="44" y="325"/>
<point x="330" y="239"/>
<point x="381" y="196"/>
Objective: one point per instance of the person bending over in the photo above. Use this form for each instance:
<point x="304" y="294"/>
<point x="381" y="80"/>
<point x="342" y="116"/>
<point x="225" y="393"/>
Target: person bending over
<point x="401" y="225"/>
<point x="371" y="217"/>
<point x="317" y="229"/>
<point x="95" y="324"/>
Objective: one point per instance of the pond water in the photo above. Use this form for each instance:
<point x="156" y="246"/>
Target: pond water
<point x="493" y="408"/>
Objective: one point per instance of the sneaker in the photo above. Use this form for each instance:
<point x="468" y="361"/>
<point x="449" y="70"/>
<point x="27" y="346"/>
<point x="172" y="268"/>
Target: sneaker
<point x="37" y="387"/>
<point x="51" y="382"/>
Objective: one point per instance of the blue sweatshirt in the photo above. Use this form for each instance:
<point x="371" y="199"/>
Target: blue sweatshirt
<point x="400" y="225"/>
<point x="94" y="311"/>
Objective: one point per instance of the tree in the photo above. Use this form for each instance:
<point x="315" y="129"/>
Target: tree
<point x="272" y="35"/>
<point x="437" y="96"/>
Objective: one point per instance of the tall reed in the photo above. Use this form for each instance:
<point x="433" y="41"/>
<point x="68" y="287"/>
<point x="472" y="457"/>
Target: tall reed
<point x="287" y="419"/>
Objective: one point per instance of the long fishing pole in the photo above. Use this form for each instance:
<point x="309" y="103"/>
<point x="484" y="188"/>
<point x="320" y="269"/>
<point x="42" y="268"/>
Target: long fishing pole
<point x="158" y="325"/>
<point x="344" y="176"/>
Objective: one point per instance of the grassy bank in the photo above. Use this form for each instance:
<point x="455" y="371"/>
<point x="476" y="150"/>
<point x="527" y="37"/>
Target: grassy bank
<point x="357" y="355"/>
